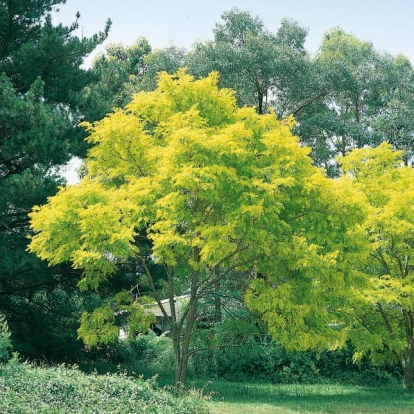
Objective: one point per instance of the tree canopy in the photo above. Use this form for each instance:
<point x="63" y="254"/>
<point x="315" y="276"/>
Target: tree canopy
<point x="208" y="184"/>
<point x="265" y="69"/>
<point x="362" y="100"/>
<point x="381" y="316"/>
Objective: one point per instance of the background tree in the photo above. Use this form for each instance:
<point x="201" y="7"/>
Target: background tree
<point x="169" y="60"/>
<point x="41" y="80"/>
<point x="121" y="71"/>
<point x="265" y="69"/>
<point x="116" y="75"/>
<point x="347" y="96"/>
<point x="367" y="100"/>
<point x="394" y="122"/>
<point x="381" y="316"/>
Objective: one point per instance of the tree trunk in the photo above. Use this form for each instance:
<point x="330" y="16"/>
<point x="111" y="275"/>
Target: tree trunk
<point x="180" y="360"/>
<point x="217" y="309"/>
<point x="181" y="335"/>
<point x="181" y="345"/>
<point x="181" y="367"/>
<point x="408" y="371"/>
<point x="260" y="102"/>
<point x="181" y="326"/>
<point x="407" y="357"/>
<point x="217" y="298"/>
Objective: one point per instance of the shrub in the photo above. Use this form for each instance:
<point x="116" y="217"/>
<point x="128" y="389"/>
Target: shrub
<point x="145" y="355"/>
<point x="5" y="342"/>
<point x="337" y="365"/>
<point x="260" y="358"/>
<point x="29" y="390"/>
<point x="148" y="348"/>
<point x="236" y="356"/>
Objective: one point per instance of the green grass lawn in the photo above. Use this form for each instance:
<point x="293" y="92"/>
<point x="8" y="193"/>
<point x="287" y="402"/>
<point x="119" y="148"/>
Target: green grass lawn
<point x="234" y="398"/>
<point x="266" y="398"/>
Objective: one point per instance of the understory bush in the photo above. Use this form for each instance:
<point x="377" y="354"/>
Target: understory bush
<point x="239" y="358"/>
<point x="260" y="358"/>
<point x="263" y="359"/>
<point x="337" y="365"/>
<point x="144" y="347"/>
<point x="145" y="355"/>
<point x="5" y="342"/>
<point x="28" y="389"/>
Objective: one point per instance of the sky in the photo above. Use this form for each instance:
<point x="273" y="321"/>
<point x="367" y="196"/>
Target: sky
<point x="388" y="24"/>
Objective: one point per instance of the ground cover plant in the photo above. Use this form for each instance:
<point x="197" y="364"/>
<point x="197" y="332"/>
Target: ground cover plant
<point x="28" y="389"/>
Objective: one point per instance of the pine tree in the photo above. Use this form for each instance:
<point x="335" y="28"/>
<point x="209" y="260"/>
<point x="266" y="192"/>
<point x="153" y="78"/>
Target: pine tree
<point x="41" y="80"/>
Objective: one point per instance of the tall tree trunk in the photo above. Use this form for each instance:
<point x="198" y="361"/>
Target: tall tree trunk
<point x="217" y="298"/>
<point x="181" y="368"/>
<point x="407" y="357"/>
<point x="181" y="335"/>
<point x="408" y="367"/>
<point x="181" y="355"/>
<point x="181" y="325"/>
<point x="181" y="344"/>
<point x="260" y="102"/>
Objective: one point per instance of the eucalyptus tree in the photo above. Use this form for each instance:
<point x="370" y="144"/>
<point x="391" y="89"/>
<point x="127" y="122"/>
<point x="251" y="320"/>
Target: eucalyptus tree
<point x="265" y="69"/>
<point x="169" y="60"/>
<point x="368" y="100"/>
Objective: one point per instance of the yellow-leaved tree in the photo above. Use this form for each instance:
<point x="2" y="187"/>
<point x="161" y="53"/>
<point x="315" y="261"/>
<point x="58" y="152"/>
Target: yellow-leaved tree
<point x="183" y="177"/>
<point x="381" y="316"/>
